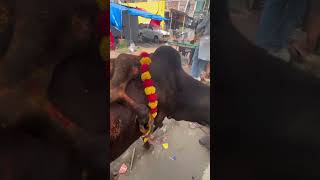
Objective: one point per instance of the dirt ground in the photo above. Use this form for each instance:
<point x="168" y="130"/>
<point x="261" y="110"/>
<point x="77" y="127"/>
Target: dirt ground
<point x="149" y="48"/>
<point x="183" y="159"/>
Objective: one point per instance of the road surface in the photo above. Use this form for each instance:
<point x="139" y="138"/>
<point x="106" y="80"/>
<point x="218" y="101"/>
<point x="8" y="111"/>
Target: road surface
<point x="184" y="159"/>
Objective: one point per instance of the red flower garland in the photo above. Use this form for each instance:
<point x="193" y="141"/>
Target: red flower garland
<point x="150" y="92"/>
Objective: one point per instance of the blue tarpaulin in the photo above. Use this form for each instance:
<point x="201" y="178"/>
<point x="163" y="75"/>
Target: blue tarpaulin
<point x="137" y="12"/>
<point x="116" y="14"/>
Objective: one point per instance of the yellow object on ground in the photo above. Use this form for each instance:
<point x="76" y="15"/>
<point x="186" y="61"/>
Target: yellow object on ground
<point x="165" y="145"/>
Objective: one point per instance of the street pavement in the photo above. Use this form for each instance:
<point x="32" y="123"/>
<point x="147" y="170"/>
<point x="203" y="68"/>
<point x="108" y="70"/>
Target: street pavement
<point x="175" y="155"/>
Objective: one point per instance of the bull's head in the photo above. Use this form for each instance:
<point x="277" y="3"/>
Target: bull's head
<point x="122" y="69"/>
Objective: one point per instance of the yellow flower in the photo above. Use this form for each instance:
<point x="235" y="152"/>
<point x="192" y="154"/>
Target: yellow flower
<point x="145" y="75"/>
<point x="145" y="60"/>
<point x="145" y="140"/>
<point x="154" y="115"/>
<point x="150" y="90"/>
<point x="153" y="105"/>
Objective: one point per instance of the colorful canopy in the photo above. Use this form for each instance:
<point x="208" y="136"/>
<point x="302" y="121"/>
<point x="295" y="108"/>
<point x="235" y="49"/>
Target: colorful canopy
<point x="116" y="14"/>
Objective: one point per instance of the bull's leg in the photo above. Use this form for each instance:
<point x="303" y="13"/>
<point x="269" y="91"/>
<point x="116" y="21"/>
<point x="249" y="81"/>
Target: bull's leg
<point x="141" y="109"/>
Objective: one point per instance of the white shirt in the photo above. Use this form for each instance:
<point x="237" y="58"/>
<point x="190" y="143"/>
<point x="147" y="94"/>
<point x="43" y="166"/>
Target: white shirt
<point x="204" y="48"/>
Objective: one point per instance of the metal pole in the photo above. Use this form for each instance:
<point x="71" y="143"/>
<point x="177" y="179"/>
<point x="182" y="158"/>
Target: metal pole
<point x="121" y="28"/>
<point x="184" y="19"/>
<point x="129" y="28"/>
<point x="170" y="20"/>
<point x="121" y="32"/>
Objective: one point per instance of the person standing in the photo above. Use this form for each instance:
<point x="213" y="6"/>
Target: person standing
<point x="201" y="56"/>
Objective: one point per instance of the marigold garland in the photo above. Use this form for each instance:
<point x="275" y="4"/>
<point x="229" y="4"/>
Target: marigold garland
<point x="150" y="92"/>
<point x="153" y="105"/>
<point x="145" y="76"/>
<point x="145" y="60"/>
<point x="152" y="97"/>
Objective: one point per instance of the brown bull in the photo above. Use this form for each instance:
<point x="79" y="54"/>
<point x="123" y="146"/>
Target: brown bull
<point x="183" y="98"/>
<point x="174" y="86"/>
<point x="78" y="89"/>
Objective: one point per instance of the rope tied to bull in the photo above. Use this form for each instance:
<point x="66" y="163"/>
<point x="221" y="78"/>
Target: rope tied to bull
<point x="150" y="92"/>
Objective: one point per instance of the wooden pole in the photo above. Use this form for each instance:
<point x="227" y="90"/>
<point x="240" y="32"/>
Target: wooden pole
<point x="184" y="19"/>
<point x="204" y="5"/>
<point x="186" y="6"/>
<point x="194" y="8"/>
<point x="132" y="157"/>
<point x="129" y="16"/>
